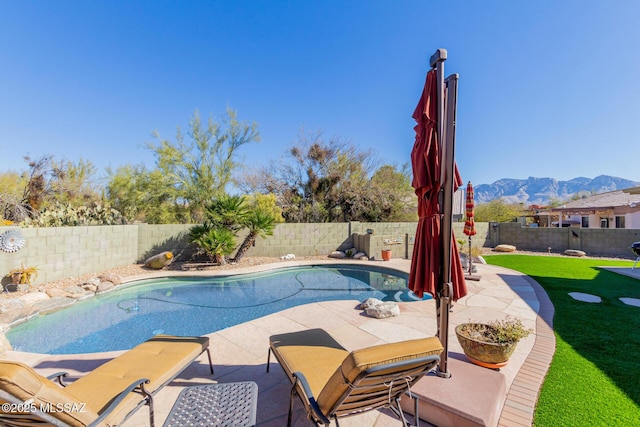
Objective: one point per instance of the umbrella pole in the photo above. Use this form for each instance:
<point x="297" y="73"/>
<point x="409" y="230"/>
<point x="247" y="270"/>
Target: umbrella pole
<point x="470" y="259"/>
<point x="446" y="132"/>
<point x="446" y="293"/>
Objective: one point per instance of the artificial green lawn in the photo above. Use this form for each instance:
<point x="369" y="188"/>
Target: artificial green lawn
<point x="594" y="378"/>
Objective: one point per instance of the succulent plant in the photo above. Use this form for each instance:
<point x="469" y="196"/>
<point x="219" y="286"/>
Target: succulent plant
<point x="59" y="215"/>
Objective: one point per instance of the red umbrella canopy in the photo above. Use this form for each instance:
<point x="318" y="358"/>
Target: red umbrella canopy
<point x="426" y="161"/>
<point x="469" y="224"/>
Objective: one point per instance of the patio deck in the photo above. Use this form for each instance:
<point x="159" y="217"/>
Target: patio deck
<point x="473" y="396"/>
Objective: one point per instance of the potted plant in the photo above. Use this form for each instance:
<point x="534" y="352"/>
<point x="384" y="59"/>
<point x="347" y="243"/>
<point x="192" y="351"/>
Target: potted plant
<point x="23" y="275"/>
<point x="491" y="344"/>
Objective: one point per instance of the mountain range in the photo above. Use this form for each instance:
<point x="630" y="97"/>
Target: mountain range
<point x="541" y="191"/>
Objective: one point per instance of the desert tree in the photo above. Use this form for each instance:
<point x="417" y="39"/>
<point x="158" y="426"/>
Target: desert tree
<point x="200" y="164"/>
<point x="144" y="195"/>
<point x="47" y="184"/>
<point x="319" y="180"/>
<point x="497" y="210"/>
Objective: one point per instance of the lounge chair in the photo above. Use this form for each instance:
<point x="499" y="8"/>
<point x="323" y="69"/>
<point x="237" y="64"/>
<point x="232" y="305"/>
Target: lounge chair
<point x="105" y="396"/>
<point x="333" y="382"/>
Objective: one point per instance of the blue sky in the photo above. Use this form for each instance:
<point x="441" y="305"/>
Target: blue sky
<point x="547" y="88"/>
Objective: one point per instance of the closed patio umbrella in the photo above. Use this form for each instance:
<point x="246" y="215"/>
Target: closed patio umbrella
<point x="435" y="265"/>
<point x="469" y="223"/>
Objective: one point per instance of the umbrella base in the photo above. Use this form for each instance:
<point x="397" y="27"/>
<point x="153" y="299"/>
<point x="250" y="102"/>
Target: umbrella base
<point x="472" y="397"/>
<point x="471" y="277"/>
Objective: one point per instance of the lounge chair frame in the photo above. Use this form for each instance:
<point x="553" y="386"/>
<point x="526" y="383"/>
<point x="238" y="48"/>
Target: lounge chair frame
<point x="379" y="386"/>
<point x="137" y="386"/>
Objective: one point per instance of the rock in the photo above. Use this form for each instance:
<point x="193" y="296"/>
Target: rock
<point x="55" y="293"/>
<point x="12" y="287"/>
<point x="288" y="257"/>
<point x="90" y="287"/>
<point x="369" y="302"/>
<point x="360" y="255"/>
<point x="374" y="307"/>
<point x="337" y="254"/>
<point x="364" y="258"/>
<point x="110" y="277"/>
<point x="17" y="316"/>
<point x="574" y="252"/>
<point x="464" y="260"/>
<point x="11" y="304"/>
<point x="33" y="297"/>
<point x="160" y="261"/>
<point x="349" y="253"/>
<point x="105" y="287"/>
<point x="505" y="248"/>
<point x="383" y="310"/>
<point x="93" y="281"/>
<point x="77" y="292"/>
<point x="53" y="304"/>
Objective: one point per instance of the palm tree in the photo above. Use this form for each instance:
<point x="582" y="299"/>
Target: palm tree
<point x="260" y="222"/>
<point x="225" y="216"/>
<point x="228" y="212"/>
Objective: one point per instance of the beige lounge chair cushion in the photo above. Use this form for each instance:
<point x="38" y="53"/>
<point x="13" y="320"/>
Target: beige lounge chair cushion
<point x="313" y="352"/>
<point x="24" y="383"/>
<point x="326" y="364"/>
<point x="159" y="359"/>
<point x="358" y="361"/>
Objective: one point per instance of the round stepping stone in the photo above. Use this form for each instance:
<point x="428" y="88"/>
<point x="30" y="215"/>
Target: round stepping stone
<point x="631" y="301"/>
<point x="584" y="297"/>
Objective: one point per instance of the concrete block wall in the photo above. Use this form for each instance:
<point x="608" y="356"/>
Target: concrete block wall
<point x="396" y="236"/>
<point x="308" y="239"/>
<point x="399" y="237"/>
<point x="616" y="242"/>
<point x="156" y="238"/>
<point x="531" y="239"/>
<point x="593" y="241"/>
<point x="59" y="252"/>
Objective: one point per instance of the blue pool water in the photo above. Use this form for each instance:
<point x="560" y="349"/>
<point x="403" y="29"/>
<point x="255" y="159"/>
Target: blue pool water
<point x="195" y="306"/>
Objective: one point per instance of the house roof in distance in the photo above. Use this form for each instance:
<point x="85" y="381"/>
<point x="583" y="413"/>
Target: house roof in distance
<point x="602" y="202"/>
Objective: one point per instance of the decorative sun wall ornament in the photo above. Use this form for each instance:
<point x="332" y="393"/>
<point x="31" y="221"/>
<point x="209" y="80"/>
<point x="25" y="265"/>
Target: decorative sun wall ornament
<point x="11" y="241"/>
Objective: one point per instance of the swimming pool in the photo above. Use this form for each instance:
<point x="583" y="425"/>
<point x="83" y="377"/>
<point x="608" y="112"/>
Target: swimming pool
<point x="197" y="305"/>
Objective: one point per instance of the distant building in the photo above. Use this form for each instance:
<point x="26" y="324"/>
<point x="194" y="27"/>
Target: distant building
<point x="459" y="202"/>
<point x="613" y="209"/>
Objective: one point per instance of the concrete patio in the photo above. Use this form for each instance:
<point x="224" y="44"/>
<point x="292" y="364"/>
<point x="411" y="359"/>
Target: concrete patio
<point x="473" y="396"/>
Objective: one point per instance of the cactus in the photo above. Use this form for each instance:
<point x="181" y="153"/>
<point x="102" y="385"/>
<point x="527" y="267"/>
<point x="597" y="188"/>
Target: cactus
<point x="59" y="215"/>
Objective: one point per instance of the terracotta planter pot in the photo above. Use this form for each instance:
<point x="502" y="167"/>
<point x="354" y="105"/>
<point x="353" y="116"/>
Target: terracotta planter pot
<point x="386" y="254"/>
<point x="487" y="354"/>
